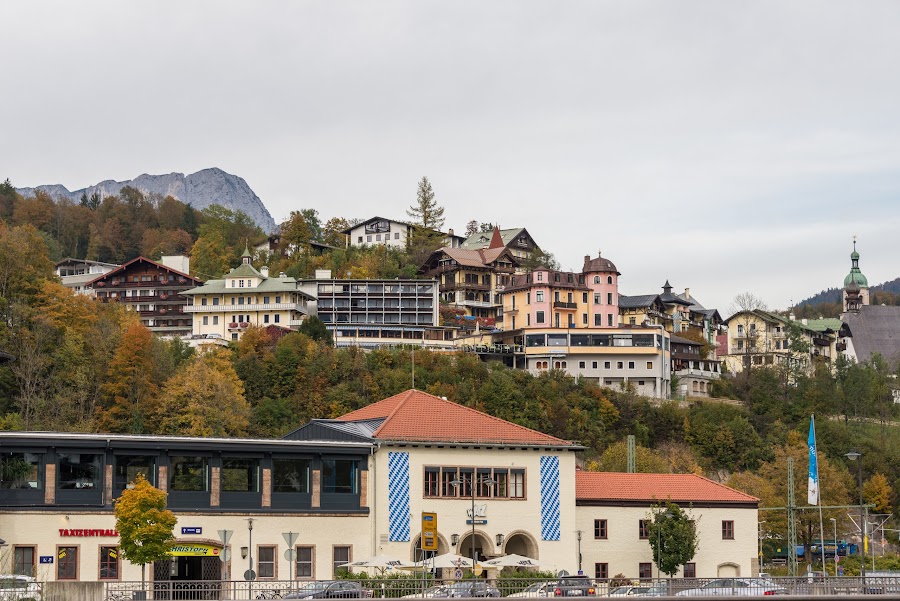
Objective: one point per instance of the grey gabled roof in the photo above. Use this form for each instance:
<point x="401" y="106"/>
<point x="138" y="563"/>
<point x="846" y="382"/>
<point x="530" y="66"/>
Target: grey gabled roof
<point x="875" y="329"/>
<point x="336" y="430"/>
<point x="635" y="302"/>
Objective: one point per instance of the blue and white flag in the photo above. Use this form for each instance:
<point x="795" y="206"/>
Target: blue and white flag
<point x="812" y="496"/>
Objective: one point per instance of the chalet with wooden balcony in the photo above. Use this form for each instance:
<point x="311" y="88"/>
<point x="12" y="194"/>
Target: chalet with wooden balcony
<point x="154" y="290"/>
<point x="517" y="240"/>
<point x="472" y="280"/>
<point x="225" y="308"/>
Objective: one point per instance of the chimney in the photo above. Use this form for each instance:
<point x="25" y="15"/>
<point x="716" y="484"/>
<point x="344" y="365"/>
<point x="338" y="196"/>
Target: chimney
<point x="282" y="275"/>
<point x="264" y="270"/>
<point x="587" y="258"/>
<point x="687" y="294"/>
<point x="450" y="231"/>
<point x="804" y="321"/>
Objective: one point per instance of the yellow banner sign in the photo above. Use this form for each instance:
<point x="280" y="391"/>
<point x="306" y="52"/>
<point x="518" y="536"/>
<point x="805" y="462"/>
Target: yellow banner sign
<point x="197" y="550"/>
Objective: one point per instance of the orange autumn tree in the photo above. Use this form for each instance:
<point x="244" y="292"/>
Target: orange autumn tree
<point x="130" y="391"/>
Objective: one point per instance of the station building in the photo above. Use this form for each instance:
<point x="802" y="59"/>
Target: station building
<point x="349" y="488"/>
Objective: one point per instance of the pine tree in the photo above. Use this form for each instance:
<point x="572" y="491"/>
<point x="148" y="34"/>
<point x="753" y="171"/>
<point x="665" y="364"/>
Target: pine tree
<point x="426" y="211"/>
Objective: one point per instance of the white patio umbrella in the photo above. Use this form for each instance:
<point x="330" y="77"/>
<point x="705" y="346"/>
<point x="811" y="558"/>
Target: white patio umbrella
<point x="447" y="560"/>
<point x="513" y="561"/>
<point x="380" y="562"/>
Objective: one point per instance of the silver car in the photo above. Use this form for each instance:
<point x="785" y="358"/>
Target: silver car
<point x="19" y="588"/>
<point x="735" y="587"/>
<point x="538" y="589"/>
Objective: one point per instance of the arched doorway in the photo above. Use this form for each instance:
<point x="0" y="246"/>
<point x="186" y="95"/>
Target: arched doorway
<point x="483" y="546"/>
<point x="522" y="543"/>
<point x="728" y="570"/>
<point x="416" y="548"/>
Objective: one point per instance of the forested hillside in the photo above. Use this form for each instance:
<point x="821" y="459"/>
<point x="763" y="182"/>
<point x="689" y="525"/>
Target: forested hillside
<point x="87" y="366"/>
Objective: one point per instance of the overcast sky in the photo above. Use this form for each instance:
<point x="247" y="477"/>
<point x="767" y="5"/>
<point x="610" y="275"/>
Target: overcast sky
<point x="724" y="146"/>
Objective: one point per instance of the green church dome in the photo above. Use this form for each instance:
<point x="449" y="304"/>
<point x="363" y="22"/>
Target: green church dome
<point x="855" y="276"/>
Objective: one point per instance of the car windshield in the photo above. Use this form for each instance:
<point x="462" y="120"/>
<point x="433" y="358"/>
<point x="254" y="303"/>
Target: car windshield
<point x="460" y="586"/>
<point x="621" y="590"/>
<point x="534" y="587"/>
<point x="312" y="587"/>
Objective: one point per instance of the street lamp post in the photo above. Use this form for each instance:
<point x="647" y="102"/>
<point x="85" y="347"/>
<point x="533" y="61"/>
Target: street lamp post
<point x="857" y="457"/>
<point x="834" y="525"/>
<point x="667" y="514"/>
<point x="473" y="480"/>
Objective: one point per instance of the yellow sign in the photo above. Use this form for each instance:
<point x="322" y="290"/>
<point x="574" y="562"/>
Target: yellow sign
<point x="198" y="550"/>
<point x="429" y="531"/>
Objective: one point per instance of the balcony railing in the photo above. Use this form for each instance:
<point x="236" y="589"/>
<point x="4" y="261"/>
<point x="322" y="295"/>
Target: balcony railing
<point x="562" y="305"/>
<point x="238" y="308"/>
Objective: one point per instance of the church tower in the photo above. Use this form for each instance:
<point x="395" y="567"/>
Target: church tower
<point x="856" y="286"/>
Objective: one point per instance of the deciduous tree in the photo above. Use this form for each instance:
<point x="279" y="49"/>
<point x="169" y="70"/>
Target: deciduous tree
<point x="144" y="524"/>
<point x="205" y="399"/>
<point x="673" y="537"/>
<point x="130" y="389"/>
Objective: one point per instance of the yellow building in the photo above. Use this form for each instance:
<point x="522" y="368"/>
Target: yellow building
<point x="759" y="338"/>
<point x="226" y="308"/>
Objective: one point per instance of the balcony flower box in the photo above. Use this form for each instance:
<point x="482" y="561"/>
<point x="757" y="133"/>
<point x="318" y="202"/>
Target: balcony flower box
<point x="244" y="324"/>
<point x="233" y="326"/>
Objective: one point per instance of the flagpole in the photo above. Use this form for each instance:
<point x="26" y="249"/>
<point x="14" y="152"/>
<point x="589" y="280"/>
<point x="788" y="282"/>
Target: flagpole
<point x="815" y="487"/>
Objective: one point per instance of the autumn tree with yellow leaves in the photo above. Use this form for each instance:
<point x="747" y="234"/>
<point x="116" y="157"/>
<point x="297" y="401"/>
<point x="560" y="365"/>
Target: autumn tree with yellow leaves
<point x="144" y="524"/>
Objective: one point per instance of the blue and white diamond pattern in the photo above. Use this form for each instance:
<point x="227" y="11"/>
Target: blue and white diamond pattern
<point x="550" y="497"/>
<point x="398" y="497"/>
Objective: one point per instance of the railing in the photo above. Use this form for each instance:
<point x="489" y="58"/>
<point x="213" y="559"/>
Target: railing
<point x="806" y="586"/>
<point x="492" y="348"/>
<point x="238" y="308"/>
<point x="562" y="305"/>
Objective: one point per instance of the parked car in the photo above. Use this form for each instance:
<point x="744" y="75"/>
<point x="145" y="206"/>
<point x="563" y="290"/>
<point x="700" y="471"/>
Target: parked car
<point x="538" y="589"/>
<point x="574" y="586"/>
<point x="438" y="590"/>
<point x="472" y="588"/>
<point x="330" y="589"/>
<point x="628" y="591"/>
<point x="660" y="589"/>
<point x="741" y="587"/>
<point x="19" y="588"/>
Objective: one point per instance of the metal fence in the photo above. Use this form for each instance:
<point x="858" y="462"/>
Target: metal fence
<point x="414" y="587"/>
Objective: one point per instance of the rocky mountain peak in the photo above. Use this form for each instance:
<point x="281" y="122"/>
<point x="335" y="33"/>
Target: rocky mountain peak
<point x="201" y="189"/>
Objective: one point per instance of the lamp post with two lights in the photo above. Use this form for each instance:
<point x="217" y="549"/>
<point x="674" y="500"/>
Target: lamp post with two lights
<point x="473" y="481"/>
<point x="857" y="456"/>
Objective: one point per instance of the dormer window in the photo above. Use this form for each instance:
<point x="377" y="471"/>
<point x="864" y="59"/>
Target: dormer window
<point x="240" y="283"/>
<point x="540" y="276"/>
<point x="233" y="283"/>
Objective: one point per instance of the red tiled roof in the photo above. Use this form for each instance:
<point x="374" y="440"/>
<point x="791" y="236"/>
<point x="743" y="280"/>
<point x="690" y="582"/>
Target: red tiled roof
<point x="679" y="488"/>
<point x="418" y="416"/>
<point x="496" y="239"/>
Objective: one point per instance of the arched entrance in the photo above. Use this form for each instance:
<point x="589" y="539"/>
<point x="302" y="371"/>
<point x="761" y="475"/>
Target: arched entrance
<point x="522" y="543"/>
<point x="484" y="547"/>
<point x="728" y="570"/>
<point x="416" y="548"/>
